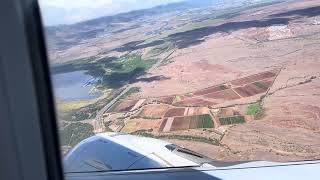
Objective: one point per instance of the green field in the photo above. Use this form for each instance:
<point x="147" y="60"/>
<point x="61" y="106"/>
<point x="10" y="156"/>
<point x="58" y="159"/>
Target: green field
<point x="256" y="110"/>
<point x="202" y="121"/>
<point x="232" y="120"/>
<point x="206" y="121"/>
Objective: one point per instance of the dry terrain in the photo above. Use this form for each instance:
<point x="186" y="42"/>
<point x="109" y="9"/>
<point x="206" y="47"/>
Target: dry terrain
<point x="246" y="87"/>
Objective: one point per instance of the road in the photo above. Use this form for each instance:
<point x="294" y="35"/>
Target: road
<point x="99" y="117"/>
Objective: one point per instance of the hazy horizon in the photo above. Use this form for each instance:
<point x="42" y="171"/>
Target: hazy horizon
<point x="60" y="12"/>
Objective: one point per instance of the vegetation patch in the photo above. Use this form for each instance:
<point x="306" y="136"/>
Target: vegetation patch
<point x="206" y="121"/>
<point x="192" y="138"/>
<point x="129" y="127"/>
<point x="161" y="49"/>
<point x="232" y="120"/>
<point x="261" y="85"/>
<point x="177" y="98"/>
<point x="145" y="133"/>
<point x="203" y="121"/>
<point x="256" y="110"/>
<point x="223" y="87"/>
<point x="124" y="70"/>
<point x="110" y="72"/>
<point x="106" y="125"/>
<point x="88" y="111"/>
<point x="68" y="106"/>
<point x="74" y="133"/>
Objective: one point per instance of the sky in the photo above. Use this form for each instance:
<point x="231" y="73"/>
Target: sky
<point x="55" y="12"/>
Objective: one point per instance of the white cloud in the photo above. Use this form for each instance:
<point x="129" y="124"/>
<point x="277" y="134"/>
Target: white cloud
<point x="72" y="11"/>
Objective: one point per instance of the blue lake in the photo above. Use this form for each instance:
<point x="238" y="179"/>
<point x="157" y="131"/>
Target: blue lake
<point x="74" y="86"/>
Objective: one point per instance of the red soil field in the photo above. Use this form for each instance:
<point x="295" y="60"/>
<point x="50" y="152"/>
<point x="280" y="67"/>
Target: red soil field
<point x="267" y="82"/>
<point x="253" y="78"/>
<point x="175" y="112"/>
<point x="211" y="90"/>
<point x="189" y="122"/>
<point x="242" y="81"/>
<point x="249" y="90"/>
<point x="166" y="100"/>
<point x="163" y="123"/>
<point x="195" y="102"/>
<point x="180" y="123"/>
<point x="264" y="75"/>
<point x="123" y="106"/>
<point x="226" y="94"/>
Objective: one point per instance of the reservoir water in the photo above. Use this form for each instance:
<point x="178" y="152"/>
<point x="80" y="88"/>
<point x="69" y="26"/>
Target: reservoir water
<point x="73" y="86"/>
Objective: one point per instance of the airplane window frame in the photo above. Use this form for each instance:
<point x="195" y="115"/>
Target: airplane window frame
<point x="24" y="30"/>
<point x="30" y="142"/>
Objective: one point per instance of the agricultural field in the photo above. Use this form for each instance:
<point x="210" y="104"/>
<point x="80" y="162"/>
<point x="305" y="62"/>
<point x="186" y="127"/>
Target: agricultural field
<point x="253" y="78"/>
<point x="141" y="124"/>
<point x="192" y="110"/>
<point x="232" y="120"/>
<point x="186" y="122"/>
<point x="237" y="81"/>
<point x="236" y="89"/>
<point x="175" y="112"/>
<point x="156" y="111"/>
<point x="165" y="100"/>
<point x="225" y="95"/>
<point x="251" y="89"/>
<point x="123" y="106"/>
<point x="194" y="102"/>
<point x="211" y="90"/>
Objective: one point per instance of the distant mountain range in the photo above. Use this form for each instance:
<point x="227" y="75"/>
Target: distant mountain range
<point x="71" y="34"/>
<point x="133" y="15"/>
<point x="171" y="7"/>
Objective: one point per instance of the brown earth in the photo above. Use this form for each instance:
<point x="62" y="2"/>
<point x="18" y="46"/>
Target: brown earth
<point x="141" y="124"/>
<point x="211" y="90"/>
<point x="211" y="62"/>
<point x="175" y="112"/>
<point x="249" y="90"/>
<point x="225" y="94"/>
<point x="122" y="106"/>
<point x="154" y="111"/>
<point x="280" y="36"/>
<point x="194" y="102"/>
<point x="290" y="129"/>
<point x="252" y="78"/>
